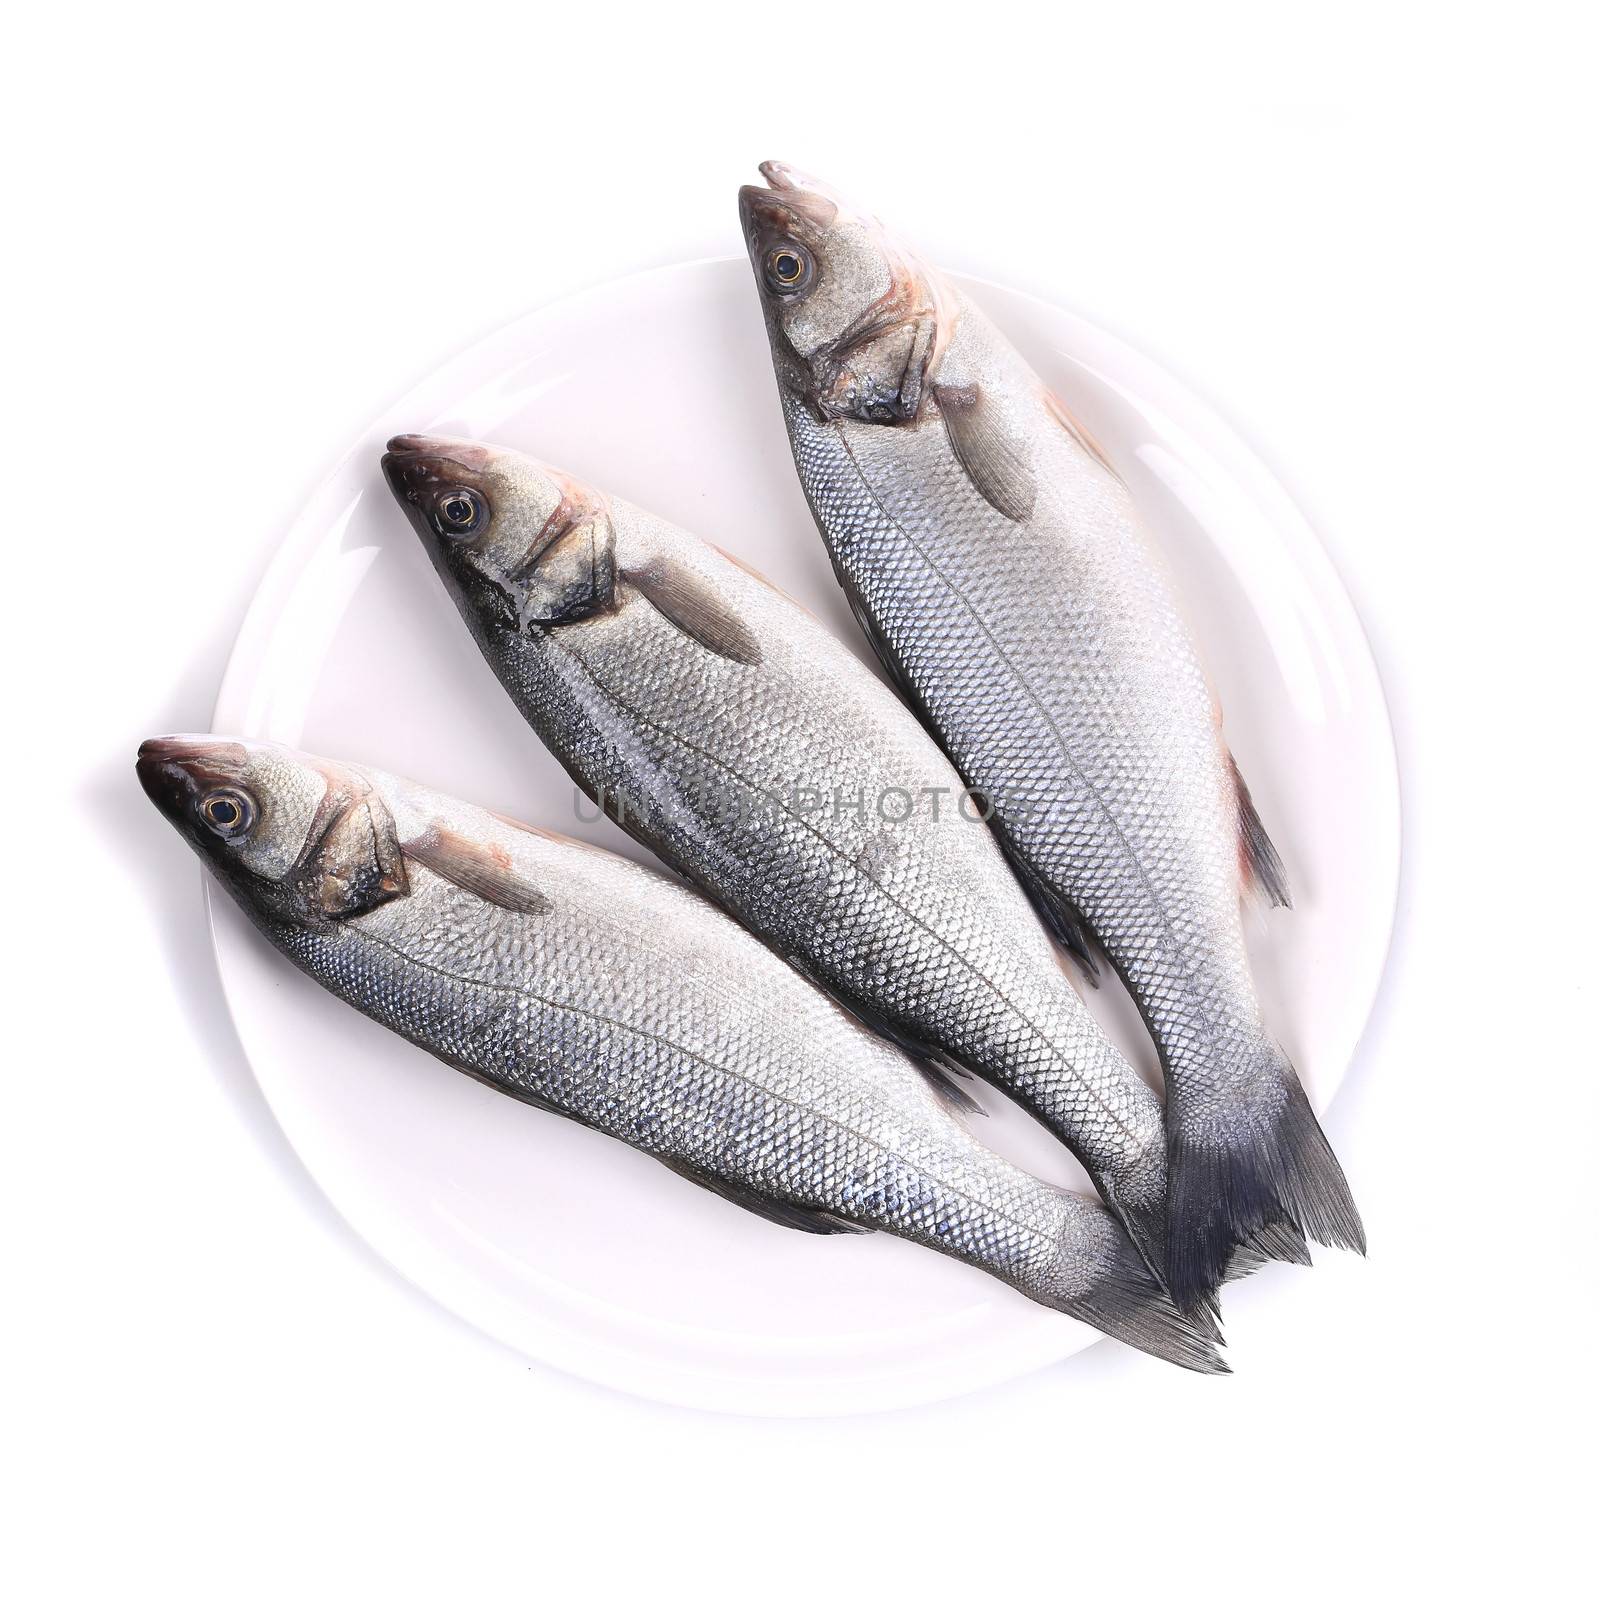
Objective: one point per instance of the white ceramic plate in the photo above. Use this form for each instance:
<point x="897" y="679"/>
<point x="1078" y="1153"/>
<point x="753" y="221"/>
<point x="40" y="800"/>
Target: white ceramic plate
<point x="567" y="1246"/>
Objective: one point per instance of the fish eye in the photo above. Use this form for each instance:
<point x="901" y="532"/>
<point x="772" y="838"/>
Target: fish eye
<point x="228" y="812"/>
<point x="789" y="268"/>
<point x="459" y="512"/>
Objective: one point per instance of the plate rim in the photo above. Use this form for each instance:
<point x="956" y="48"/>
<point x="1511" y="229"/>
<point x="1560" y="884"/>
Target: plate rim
<point x="671" y="1385"/>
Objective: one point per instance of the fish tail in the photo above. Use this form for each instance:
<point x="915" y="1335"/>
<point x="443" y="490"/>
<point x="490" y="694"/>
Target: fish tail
<point x="1136" y="1196"/>
<point x="1138" y="1200"/>
<point x="1122" y="1298"/>
<point x="1252" y="1169"/>
<point x="1144" y="1220"/>
<point x="1278" y="1241"/>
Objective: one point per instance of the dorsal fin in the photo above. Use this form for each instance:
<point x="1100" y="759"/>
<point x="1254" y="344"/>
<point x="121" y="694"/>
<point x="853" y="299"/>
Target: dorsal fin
<point x="880" y="645"/>
<point x="1259" y="862"/>
<point x="695" y="609"/>
<point x="481" y="869"/>
<point x="989" y="455"/>
<point x="1079" y="435"/>
<point x="760" y="577"/>
<point x="567" y="841"/>
<point x="786" y="1213"/>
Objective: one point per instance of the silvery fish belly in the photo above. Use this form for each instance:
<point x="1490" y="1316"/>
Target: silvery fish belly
<point x="584" y="984"/>
<point x="997" y="562"/>
<point x="725" y="727"/>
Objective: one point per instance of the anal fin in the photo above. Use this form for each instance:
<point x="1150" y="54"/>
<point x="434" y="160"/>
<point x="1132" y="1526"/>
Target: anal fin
<point x="940" y="1078"/>
<point x="939" y="1072"/>
<point x="786" y="1213"/>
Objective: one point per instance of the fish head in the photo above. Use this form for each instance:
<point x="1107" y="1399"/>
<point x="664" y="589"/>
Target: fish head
<point x="295" y="838"/>
<point x="519" y="543"/>
<point x="857" y="324"/>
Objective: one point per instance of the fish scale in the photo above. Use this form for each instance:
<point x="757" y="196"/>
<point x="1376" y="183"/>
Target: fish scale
<point x="763" y="871"/>
<point x="764" y="1046"/>
<point x="1000" y="567"/>
<point x="775" y="772"/>
<point x="1004" y="742"/>
<point x="1164" y="909"/>
<point x="593" y="988"/>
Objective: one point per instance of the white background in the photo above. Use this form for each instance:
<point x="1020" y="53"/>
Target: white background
<point x="1366" y="234"/>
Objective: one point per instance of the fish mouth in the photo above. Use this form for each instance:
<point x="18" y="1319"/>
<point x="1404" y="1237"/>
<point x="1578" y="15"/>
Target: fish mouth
<point x="790" y="195"/>
<point x="781" y="175"/>
<point x="415" y="463"/>
<point x="171" y="769"/>
<point x="466" y="453"/>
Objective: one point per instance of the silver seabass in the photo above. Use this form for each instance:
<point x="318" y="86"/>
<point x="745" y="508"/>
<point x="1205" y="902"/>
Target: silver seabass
<point x="997" y="562"/>
<point x="728" y="729"/>
<point x="581" y="983"/>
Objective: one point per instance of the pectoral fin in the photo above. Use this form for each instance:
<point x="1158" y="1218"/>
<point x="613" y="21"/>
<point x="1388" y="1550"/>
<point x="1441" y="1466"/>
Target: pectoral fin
<point x="694" y="608"/>
<point x="989" y="454"/>
<point x="483" y="870"/>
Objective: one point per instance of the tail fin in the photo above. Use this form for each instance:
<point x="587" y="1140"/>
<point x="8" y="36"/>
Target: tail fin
<point x="1278" y="1241"/>
<point x="1121" y="1298"/>
<point x="1141" y="1207"/>
<point x="1244" y="1168"/>
<point x="1145" y="1223"/>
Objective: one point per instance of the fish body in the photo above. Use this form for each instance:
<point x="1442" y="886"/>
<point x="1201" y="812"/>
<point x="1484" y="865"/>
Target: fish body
<point x="588" y="986"/>
<point x="726" y="728"/>
<point x="999" y="566"/>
